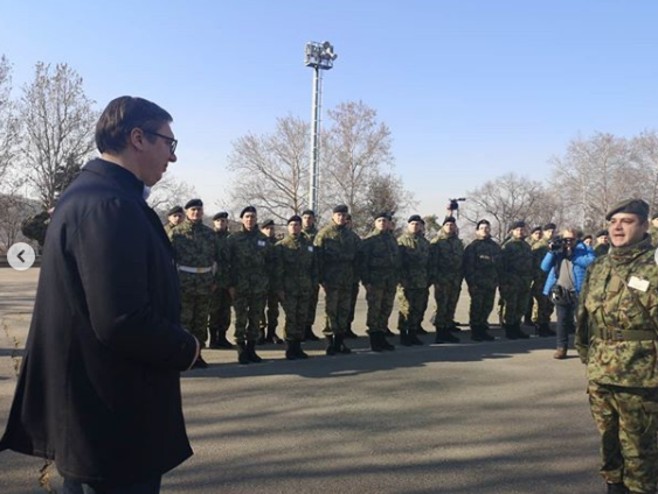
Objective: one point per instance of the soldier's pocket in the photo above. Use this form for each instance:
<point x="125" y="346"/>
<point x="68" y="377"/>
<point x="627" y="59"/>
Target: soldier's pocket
<point x="650" y="407"/>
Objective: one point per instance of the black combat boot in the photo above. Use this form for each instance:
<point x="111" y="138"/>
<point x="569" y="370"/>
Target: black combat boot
<point x="376" y="342"/>
<point x="520" y="334"/>
<point x="340" y="344"/>
<point x="331" y="345"/>
<point x="388" y="347"/>
<point x="222" y="342"/>
<point x="544" y="330"/>
<point x="476" y="333"/>
<point x="421" y="330"/>
<point x="251" y="352"/>
<point x="349" y="334"/>
<point x="443" y="335"/>
<point x="510" y="334"/>
<point x="619" y="488"/>
<point x="309" y="335"/>
<point x="415" y="340"/>
<point x="291" y="350"/>
<point x="272" y="336"/>
<point x="298" y="350"/>
<point x="388" y="332"/>
<point x="484" y="333"/>
<point x="404" y="339"/>
<point x="243" y="354"/>
<point x="261" y="336"/>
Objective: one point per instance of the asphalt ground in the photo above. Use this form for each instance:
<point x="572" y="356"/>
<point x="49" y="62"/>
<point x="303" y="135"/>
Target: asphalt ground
<point x="494" y="417"/>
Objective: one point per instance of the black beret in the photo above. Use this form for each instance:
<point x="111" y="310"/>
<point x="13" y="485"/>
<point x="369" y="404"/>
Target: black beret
<point x="341" y="208"/>
<point x="175" y="210"/>
<point x="518" y="224"/>
<point x="482" y="222"/>
<point x="600" y="233"/>
<point x="587" y="236"/>
<point x="266" y="223"/>
<point x="248" y="209"/>
<point x="449" y="219"/>
<point x="220" y="215"/>
<point x="310" y="212"/>
<point x="415" y="217"/>
<point x="383" y="214"/>
<point x="194" y="203"/>
<point x="550" y="226"/>
<point x="536" y="229"/>
<point x="294" y="218"/>
<point x="633" y="206"/>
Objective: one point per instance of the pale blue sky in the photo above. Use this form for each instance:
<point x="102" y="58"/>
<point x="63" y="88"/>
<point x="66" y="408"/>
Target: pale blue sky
<point x="470" y="89"/>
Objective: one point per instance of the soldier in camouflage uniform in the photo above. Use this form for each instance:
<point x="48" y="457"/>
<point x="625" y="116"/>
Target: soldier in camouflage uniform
<point x="195" y="250"/>
<point x="296" y="275"/>
<point x="380" y="267"/>
<point x="414" y="280"/>
<point x="534" y="237"/>
<point x="617" y="337"/>
<point x="355" y="292"/>
<point x="251" y="261"/>
<point x="543" y="307"/>
<point x="516" y="275"/>
<point x="220" y="301"/>
<point x="602" y="244"/>
<point x="446" y="256"/>
<point x="337" y="250"/>
<point x="310" y="230"/>
<point x="269" y="319"/>
<point x="174" y="217"/>
<point x="481" y="263"/>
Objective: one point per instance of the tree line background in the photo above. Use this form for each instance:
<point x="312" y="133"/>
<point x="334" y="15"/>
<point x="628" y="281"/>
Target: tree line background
<point x="47" y="134"/>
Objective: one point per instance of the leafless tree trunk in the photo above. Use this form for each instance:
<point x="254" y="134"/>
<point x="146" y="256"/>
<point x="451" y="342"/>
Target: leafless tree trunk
<point x="644" y="157"/>
<point x="58" y="126"/>
<point x="9" y="127"/>
<point x="170" y="192"/>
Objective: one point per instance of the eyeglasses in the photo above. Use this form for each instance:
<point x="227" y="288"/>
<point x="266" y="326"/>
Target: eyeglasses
<point x="172" y="142"/>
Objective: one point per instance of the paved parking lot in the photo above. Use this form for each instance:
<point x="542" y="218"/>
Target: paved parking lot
<point x="495" y="417"/>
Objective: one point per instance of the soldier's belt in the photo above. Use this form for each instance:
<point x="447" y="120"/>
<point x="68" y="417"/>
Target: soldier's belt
<point x="189" y="269"/>
<point x="625" y="334"/>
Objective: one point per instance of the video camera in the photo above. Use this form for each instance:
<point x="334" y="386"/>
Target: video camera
<point x="453" y="205"/>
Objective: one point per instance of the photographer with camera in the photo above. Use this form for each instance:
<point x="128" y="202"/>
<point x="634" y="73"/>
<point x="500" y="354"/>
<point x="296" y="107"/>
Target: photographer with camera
<point x="565" y="263"/>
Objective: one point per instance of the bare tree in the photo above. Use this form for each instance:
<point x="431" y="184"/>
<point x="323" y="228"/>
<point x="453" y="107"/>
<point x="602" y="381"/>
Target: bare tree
<point x="356" y="151"/>
<point x="14" y="209"/>
<point x="385" y="193"/>
<point x="170" y="192"/>
<point x="507" y="199"/>
<point x="272" y="170"/>
<point x="644" y="157"/>
<point x="9" y="127"/>
<point x="58" y="125"/>
<point x="594" y="174"/>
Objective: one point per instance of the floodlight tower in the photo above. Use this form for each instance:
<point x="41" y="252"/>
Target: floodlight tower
<point x="319" y="56"/>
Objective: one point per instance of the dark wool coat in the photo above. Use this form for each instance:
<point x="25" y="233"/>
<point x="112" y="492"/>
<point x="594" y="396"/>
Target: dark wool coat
<point x="99" y="387"/>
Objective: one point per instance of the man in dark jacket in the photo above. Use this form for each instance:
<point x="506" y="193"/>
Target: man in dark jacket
<point x="99" y="388"/>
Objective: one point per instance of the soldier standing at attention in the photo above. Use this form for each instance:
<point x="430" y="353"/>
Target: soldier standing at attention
<point x="616" y="336"/>
<point x="310" y="230"/>
<point x="414" y="280"/>
<point x="380" y="268"/>
<point x="534" y="237"/>
<point x="220" y="301"/>
<point x="482" y="259"/>
<point x="270" y="317"/>
<point x="543" y="307"/>
<point x="516" y="276"/>
<point x="355" y="291"/>
<point x="337" y="249"/>
<point x="251" y="268"/>
<point x="296" y="275"/>
<point x="446" y="256"/>
<point x="195" y="251"/>
<point x="174" y="216"/>
<point x="602" y="244"/>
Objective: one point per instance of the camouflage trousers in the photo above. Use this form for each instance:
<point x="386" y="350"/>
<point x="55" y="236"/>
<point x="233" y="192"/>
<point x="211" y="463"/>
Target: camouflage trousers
<point x="446" y="296"/>
<point x="312" y="305"/>
<point x="338" y="301"/>
<point x="515" y="296"/>
<point x="220" y="312"/>
<point x="482" y="301"/>
<point x="196" y="291"/>
<point x="542" y="309"/>
<point x="295" y="307"/>
<point x="627" y="419"/>
<point x="270" y="316"/>
<point x="380" y="298"/>
<point x="411" y="303"/>
<point x="248" y="307"/>
<point x="354" y="295"/>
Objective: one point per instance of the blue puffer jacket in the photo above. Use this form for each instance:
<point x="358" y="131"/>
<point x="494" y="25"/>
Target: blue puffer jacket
<point x="581" y="258"/>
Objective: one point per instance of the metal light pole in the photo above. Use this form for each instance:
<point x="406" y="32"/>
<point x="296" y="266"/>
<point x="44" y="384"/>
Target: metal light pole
<point x="319" y="56"/>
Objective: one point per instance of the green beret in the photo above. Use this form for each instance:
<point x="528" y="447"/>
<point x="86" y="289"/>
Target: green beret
<point x="633" y="206"/>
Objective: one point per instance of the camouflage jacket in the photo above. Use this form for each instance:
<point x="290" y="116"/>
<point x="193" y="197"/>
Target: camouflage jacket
<point x="601" y="250"/>
<point x="337" y="249"/>
<point x="414" y="261"/>
<point x="296" y="265"/>
<point x="539" y="251"/>
<point x="35" y="227"/>
<point x="607" y="305"/>
<point x="221" y="246"/>
<point x="194" y="244"/>
<point x="380" y="259"/>
<point x="310" y="233"/>
<point x="446" y="258"/>
<point x="168" y="227"/>
<point x="482" y="262"/>
<point x="653" y="231"/>
<point x="517" y="261"/>
<point x="251" y="261"/>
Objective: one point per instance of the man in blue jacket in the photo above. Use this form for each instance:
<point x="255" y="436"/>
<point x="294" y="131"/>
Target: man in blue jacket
<point x="566" y="264"/>
<point x="99" y="387"/>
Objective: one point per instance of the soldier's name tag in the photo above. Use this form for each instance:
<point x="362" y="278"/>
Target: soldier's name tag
<point x="310" y="248"/>
<point x="261" y="243"/>
<point x="638" y="283"/>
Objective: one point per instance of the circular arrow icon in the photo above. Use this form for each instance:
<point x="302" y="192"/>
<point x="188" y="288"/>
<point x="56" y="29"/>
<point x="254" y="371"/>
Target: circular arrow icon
<point x="21" y="256"/>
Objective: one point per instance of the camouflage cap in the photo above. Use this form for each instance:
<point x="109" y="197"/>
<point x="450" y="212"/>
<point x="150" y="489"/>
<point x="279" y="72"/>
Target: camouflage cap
<point x="633" y="206"/>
